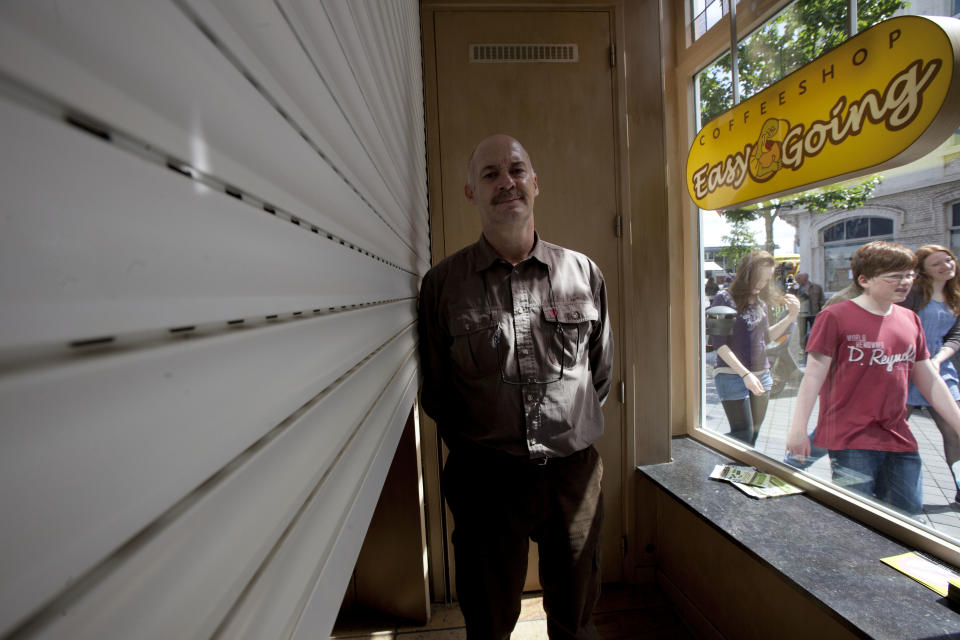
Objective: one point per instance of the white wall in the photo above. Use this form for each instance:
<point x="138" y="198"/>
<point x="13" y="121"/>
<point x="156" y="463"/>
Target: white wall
<point x="213" y="221"/>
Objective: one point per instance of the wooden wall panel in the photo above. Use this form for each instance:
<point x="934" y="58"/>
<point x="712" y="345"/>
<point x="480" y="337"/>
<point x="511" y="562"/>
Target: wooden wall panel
<point x="728" y="589"/>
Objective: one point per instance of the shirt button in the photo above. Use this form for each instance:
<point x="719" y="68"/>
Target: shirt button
<point x="531" y="397"/>
<point x="576" y="314"/>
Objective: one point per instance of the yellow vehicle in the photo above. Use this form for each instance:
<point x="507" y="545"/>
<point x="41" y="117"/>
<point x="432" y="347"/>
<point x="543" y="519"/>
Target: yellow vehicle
<point x="788" y="264"/>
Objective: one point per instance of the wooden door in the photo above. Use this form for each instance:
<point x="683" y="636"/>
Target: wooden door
<point x="563" y="112"/>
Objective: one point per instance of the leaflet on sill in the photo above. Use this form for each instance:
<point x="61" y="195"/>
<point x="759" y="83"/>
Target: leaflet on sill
<point x="755" y="484"/>
<point x="926" y="570"/>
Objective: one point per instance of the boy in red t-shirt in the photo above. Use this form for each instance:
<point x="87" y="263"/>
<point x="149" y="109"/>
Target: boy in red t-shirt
<point x="861" y="354"/>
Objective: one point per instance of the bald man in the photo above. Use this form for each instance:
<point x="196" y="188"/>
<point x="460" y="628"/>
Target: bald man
<point x="517" y="354"/>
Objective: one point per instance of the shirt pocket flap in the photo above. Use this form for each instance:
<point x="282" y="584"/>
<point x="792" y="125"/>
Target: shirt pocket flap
<point x="469" y="321"/>
<point x="571" y="312"/>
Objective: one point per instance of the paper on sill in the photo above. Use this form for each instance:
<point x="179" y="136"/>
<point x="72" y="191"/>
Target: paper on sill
<point x="928" y="571"/>
<point x="755" y="484"/>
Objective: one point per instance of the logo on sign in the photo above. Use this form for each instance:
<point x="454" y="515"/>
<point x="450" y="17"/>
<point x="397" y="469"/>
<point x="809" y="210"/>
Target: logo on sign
<point x="848" y="113"/>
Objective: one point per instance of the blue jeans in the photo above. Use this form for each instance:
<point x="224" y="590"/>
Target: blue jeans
<point x="893" y="478"/>
<point x="815" y="454"/>
<point x="730" y="386"/>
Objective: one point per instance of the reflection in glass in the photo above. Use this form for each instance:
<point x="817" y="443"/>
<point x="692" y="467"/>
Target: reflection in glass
<point x="799" y="34"/>
<point x="881" y="227"/>
<point x="955" y="227"/>
<point x="714" y="89"/>
<point x="842" y="239"/>
<point x="741" y="367"/>
<point x="834" y="233"/>
<point x="915" y="205"/>
<point x="858" y="228"/>
<point x="837" y="265"/>
<point x="707" y="13"/>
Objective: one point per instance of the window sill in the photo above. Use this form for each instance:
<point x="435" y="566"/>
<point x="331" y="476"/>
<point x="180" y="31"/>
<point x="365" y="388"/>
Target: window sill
<point x="824" y="554"/>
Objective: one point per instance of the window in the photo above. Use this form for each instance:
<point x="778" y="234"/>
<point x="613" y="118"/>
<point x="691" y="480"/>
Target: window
<point x="780" y="46"/>
<point x="795" y="34"/>
<point x="707" y="13"/>
<point x="840" y="240"/>
<point x="955" y="226"/>
<point x="715" y="90"/>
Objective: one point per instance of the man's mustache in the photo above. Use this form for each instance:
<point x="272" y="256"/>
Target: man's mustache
<point x="509" y="195"/>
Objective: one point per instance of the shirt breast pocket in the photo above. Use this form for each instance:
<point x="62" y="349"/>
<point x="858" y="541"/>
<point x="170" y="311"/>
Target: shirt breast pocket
<point x="473" y="346"/>
<point x="568" y="327"/>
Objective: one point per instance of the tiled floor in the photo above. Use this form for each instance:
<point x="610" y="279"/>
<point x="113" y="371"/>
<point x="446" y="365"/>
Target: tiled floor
<point x="634" y="612"/>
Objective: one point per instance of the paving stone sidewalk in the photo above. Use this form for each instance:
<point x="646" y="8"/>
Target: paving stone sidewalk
<point x="940" y="511"/>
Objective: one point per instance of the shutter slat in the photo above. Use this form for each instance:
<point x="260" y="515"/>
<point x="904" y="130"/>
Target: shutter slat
<point x="144" y="248"/>
<point x="184" y="575"/>
<point x="91" y="452"/>
<point x="282" y="596"/>
<point x="214" y="221"/>
<point x="223" y="124"/>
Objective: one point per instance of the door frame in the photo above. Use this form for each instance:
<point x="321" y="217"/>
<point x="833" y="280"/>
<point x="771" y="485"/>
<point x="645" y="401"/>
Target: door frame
<point x="437" y="520"/>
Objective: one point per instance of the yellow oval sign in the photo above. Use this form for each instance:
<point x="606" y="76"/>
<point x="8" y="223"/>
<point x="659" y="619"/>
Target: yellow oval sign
<point x="881" y="99"/>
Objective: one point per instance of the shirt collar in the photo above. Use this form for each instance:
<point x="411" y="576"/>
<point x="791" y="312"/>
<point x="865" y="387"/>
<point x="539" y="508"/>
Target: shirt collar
<point x="485" y="257"/>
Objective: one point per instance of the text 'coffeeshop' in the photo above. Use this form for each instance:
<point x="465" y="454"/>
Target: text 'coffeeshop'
<point x="881" y="99"/>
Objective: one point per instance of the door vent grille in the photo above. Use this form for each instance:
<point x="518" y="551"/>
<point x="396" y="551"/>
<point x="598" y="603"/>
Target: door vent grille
<point x="524" y="53"/>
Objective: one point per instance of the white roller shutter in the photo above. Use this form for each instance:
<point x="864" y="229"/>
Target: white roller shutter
<point x="213" y="222"/>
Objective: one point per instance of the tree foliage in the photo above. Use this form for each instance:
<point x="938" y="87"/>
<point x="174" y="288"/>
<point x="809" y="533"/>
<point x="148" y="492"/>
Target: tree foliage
<point x="801" y="33"/>
<point x="798" y="35"/>
<point x="738" y="243"/>
<point x="814" y="201"/>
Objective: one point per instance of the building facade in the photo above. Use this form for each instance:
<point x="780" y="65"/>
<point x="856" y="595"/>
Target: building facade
<point x="915" y="205"/>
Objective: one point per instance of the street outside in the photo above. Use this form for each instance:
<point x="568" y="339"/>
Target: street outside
<point x="940" y="510"/>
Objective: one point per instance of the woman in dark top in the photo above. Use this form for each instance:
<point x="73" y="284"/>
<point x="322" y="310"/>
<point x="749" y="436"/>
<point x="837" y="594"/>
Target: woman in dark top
<point x="935" y="298"/>
<point x="742" y="372"/>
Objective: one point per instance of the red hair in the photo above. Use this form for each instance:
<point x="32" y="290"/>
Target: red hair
<point x="924" y="284"/>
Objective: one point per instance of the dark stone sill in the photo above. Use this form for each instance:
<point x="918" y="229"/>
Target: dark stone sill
<point x="832" y="558"/>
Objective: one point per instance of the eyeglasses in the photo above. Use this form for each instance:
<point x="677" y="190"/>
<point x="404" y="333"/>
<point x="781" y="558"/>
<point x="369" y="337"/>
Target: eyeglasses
<point x="896" y="278"/>
<point x="560" y="351"/>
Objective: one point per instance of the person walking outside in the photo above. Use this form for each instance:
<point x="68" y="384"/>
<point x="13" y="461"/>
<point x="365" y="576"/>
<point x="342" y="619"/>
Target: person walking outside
<point x="811" y="302"/>
<point x="862" y="355"/>
<point x="742" y="371"/>
<point x="935" y="298"/>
